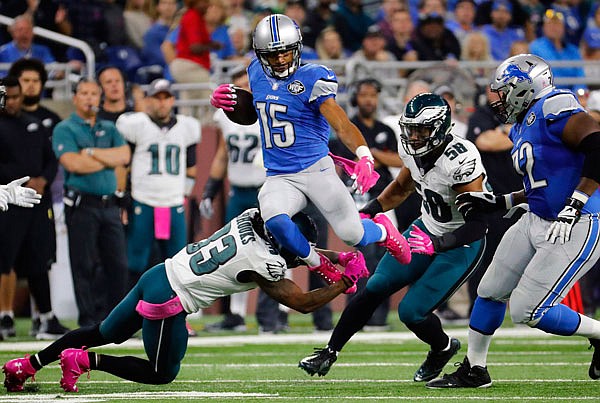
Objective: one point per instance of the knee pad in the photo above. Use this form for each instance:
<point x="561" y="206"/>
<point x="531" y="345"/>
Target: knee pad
<point x="487" y="315"/>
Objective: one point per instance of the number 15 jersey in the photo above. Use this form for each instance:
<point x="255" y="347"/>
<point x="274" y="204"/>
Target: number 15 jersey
<point x="206" y="270"/>
<point x="294" y="132"/>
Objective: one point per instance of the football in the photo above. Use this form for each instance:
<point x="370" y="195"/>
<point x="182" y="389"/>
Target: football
<point x="243" y="111"/>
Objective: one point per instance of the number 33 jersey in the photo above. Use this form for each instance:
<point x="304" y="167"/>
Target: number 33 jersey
<point x="460" y="163"/>
<point x="206" y="270"/>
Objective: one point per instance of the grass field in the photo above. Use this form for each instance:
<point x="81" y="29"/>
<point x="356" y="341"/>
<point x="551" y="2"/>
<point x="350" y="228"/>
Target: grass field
<point x="526" y="366"/>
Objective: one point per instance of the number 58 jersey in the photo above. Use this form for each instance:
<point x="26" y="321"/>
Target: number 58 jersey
<point x="206" y="270"/>
<point x="460" y="163"/>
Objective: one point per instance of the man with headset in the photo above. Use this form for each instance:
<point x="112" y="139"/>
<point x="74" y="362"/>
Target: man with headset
<point x="381" y="140"/>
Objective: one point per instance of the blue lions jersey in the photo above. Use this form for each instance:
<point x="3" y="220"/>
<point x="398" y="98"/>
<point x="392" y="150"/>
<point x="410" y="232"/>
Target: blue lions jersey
<point x="551" y="171"/>
<point x="294" y="132"/>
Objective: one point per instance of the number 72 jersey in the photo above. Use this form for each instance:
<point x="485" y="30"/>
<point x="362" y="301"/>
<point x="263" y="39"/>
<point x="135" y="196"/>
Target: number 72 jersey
<point x="460" y="163"/>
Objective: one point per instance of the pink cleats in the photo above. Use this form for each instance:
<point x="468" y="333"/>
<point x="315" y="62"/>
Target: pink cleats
<point x="73" y="362"/>
<point x="327" y="270"/>
<point x="16" y="372"/>
<point x="394" y="242"/>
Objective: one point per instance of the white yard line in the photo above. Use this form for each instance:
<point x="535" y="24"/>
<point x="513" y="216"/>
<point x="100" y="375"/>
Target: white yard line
<point x="296" y="338"/>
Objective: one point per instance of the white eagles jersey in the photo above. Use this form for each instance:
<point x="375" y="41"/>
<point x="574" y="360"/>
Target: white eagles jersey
<point x="158" y="163"/>
<point x="206" y="270"/>
<point x="460" y="163"/>
<point x="243" y="143"/>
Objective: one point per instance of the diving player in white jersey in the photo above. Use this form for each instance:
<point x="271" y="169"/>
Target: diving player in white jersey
<point x="237" y="149"/>
<point x="296" y="107"/>
<point x="163" y="155"/>
<point x="446" y="246"/>
<point x="239" y="257"/>
<point x="556" y="148"/>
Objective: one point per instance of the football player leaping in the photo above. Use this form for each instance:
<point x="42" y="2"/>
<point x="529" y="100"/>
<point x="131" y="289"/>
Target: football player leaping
<point x="446" y="246"/>
<point x="557" y="151"/>
<point x="296" y="106"/>
<point x="239" y="257"/>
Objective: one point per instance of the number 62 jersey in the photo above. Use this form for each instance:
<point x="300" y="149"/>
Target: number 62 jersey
<point x="206" y="270"/>
<point x="460" y="163"/>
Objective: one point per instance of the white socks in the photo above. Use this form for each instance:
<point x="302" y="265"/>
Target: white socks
<point x="479" y="345"/>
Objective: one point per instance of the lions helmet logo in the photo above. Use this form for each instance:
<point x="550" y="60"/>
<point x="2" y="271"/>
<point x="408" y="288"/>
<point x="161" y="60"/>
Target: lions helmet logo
<point x="296" y="87"/>
<point x="512" y="70"/>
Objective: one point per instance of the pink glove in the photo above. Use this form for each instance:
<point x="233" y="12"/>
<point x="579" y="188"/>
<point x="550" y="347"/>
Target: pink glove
<point x="420" y="242"/>
<point x="347" y="165"/>
<point x="364" y="175"/>
<point x="223" y="97"/>
<point x="356" y="268"/>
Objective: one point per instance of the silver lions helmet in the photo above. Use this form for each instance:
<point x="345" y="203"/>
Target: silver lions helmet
<point x="518" y="81"/>
<point x="276" y="34"/>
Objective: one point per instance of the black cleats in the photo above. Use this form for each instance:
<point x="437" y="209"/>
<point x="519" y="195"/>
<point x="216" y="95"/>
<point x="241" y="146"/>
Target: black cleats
<point x="435" y="362"/>
<point x="464" y="377"/>
<point x="319" y="362"/>
<point x="594" y="371"/>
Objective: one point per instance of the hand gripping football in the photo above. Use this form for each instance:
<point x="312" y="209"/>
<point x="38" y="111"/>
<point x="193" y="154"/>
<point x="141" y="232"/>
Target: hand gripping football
<point x="243" y="111"/>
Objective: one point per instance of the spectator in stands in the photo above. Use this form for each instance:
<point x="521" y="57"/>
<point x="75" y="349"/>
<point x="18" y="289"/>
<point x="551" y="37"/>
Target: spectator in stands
<point x="553" y="46"/>
<point x="317" y="20"/>
<point x="402" y="29"/>
<point x="464" y="19"/>
<point x="240" y="40"/>
<point x="476" y="47"/>
<point x="590" y="46"/>
<point x="574" y="20"/>
<point x="192" y="64"/>
<point x="91" y="210"/>
<point x="26" y="234"/>
<point x="22" y="46"/>
<point x="155" y="35"/>
<point x="432" y="41"/>
<point x="534" y="9"/>
<point x="100" y="23"/>
<point x="519" y="47"/>
<point x="295" y="9"/>
<point x="215" y="17"/>
<point x="490" y="136"/>
<point x="51" y="15"/>
<point x="329" y="45"/>
<point x="500" y="34"/>
<point x="386" y="14"/>
<point x="352" y="23"/>
<point x="138" y="15"/>
<point x="373" y="50"/>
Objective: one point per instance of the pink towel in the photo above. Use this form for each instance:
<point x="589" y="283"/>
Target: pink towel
<point x="162" y="222"/>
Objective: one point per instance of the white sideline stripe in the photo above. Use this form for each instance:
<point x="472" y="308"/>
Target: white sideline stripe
<point x="297" y="338"/>
<point x="417" y="353"/>
<point x="146" y="396"/>
<point x="385" y="364"/>
<point x="99" y="397"/>
<point x="314" y="380"/>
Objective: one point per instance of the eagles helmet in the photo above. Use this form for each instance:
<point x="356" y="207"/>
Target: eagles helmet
<point x="275" y="34"/>
<point x="518" y="81"/>
<point x="424" y="124"/>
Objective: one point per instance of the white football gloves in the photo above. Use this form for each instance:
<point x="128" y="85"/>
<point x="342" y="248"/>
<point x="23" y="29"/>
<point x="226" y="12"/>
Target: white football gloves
<point x="560" y="229"/>
<point x="19" y="195"/>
